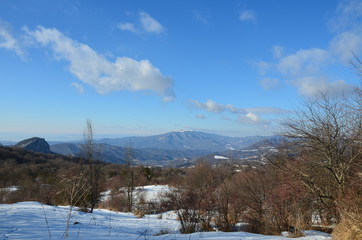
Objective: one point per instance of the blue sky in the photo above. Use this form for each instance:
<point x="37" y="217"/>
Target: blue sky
<point x="236" y="67"/>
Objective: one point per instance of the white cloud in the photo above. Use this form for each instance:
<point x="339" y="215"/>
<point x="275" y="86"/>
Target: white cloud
<point x="8" y="42"/>
<point x="263" y="67"/>
<point x="252" y="116"/>
<point x="169" y="96"/>
<point x="150" y="24"/>
<point x="247" y="15"/>
<point x="266" y="110"/>
<point x="269" y="83"/>
<point x="312" y="86"/>
<point x="146" y="24"/>
<point x="347" y="23"/>
<point x="209" y="105"/>
<point x="302" y="61"/>
<point x="232" y="109"/>
<point x="347" y="15"/>
<point x="245" y="115"/>
<point x="212" y="106"/>
<point x="127" y="27"/>
<point x="278" y="51"/>
<point x="305" y="69"/>
<point x="78" y="87"/>
<point x="200" y="17"/>
<point x="94" y="69"/>
<point x="345" y="44"/>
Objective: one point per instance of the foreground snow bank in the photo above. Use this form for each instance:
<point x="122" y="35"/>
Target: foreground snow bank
<point x="33" y="220"/>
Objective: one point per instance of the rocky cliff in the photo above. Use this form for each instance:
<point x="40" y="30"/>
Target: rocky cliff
<point x="35" y="144"/>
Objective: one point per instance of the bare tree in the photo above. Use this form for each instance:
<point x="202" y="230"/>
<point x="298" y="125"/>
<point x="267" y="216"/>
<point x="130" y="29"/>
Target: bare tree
<point x="74" y="190"/>
<point x="357" y="64"/>
<point x="331" y="130"/>
<point x="71" y="189"/>
<point x="326" y="135"/>
<point x="129" y="173"/>
<point x="89" y="153"/>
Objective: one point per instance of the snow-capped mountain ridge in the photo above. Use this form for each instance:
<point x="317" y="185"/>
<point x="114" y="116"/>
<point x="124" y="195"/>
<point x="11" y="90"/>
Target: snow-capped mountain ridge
<point x="185" y="140"/>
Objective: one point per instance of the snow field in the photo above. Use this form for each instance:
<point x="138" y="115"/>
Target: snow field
<point x="33" y="220"/>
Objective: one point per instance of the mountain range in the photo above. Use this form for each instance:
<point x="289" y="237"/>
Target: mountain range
<point x="185" y="140"/>
<point x="178" y="148"/>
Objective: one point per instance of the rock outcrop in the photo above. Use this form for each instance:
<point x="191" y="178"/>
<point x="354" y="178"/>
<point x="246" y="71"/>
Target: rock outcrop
<point x="35" y="144"/>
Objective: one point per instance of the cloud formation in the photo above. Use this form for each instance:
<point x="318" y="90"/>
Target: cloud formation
<point x="78" y="87"/>
<point x="298" y="63"/>
<point x="212" y="106"/>
<point x="245" y="115"/>
<point x="278" y="51"/>
<point x="269" y="83"/>
<point x="200" y="17"/>
<point x="252" y="118"/>
<point x="305" y="68"/>
<point x="314" y="86"/>
<point x="150" y="24"/>
<point x="127" y="27"/>
<point x="209" y="106"/>
<point x="146" y="24"/>
<point x="94" y="69"/>
<point x="348" y="11"/>
<point x="345" y="44"/>
<point x="7" y="41"/>
<point x="247" y="15"/>
<point x="263" y="67"/>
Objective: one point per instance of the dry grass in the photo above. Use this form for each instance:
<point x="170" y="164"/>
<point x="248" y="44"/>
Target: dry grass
<point x="139" y="214"/>
<point x="350" y="228"/>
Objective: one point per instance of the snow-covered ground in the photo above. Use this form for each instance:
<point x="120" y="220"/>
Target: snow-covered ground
<point x="152" y="192"/>
<point x="149" y="192"/>
<point x="33" y="220"/>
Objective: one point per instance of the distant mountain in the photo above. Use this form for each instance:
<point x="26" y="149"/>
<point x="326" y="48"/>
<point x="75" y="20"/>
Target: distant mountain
<point x="178" y="148"/>
<point x="185" y="140"/>
<point x="117" y="154"/>
<point x="35" y="144"/>
<point x="68" y="149"/>
<point x="255" y="152"/>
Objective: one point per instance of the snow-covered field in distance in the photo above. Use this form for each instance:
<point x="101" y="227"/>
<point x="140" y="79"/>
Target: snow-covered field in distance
<point x="33" y="220"/>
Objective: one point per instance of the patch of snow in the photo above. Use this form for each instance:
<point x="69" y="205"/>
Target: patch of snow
<point x="183" y="130"/>
<point x="33" y="220"/>
<point x="105" y="196"/>
<point x="149" y="192"/>
<point x="10" y="189"/>
<point x="251" y="150"/>
<point x="220" y="157"/>
<point x="152" y="192"/>
<point x="30" y="141"/>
